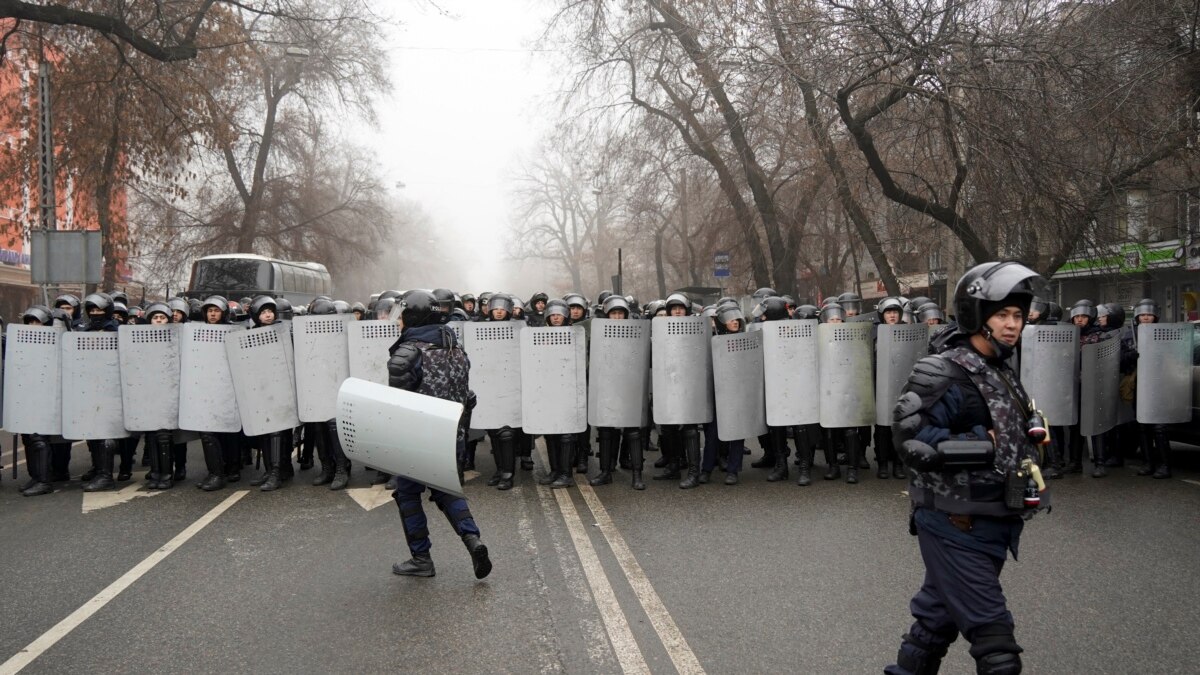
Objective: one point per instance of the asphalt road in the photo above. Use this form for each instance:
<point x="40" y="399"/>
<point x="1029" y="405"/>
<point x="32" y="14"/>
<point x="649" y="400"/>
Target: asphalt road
<point x="756" y="578"/>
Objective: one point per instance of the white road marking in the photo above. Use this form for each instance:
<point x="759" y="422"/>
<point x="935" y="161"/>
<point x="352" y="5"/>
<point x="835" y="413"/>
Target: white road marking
<point x="672" y="639"/>
<point x="94" y="501"/>
<point x="629" y="655"/>
<point x="63" y="628"/>
<point x="371" y="498"/>
<point x="546" y="640"/>
<point x="1193" y="482"/>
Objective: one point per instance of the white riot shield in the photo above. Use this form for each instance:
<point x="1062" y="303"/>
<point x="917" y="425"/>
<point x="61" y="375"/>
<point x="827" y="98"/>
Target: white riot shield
<point x="1099" y="378"/>
<point x="149" y="376"/>
<point x="494" y="348"/>
<point x="790" y="372"/>
<point x="737" y="363"/>
<point x="322" y="363"/>
<point x="91" y="382"/>
<point x="456" y="327"/>
<point x="897" y="349"/>
<point x="400" y="432"/>
<point x="619" y="373"/>
<point x="553" y="380"/>
<point x="1164" y="373"/>
<point x="206" y="398"/>
<point x="33" y="385"/>
<point x="845" y="375"/>
<point x="1050" y="370"/>
<point x="368" y="343"/>
<point x="682" y="376"/>
<point x="259" y="363"/>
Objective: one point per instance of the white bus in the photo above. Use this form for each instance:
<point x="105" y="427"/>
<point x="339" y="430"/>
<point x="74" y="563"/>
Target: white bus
<point x="237" y="275"/>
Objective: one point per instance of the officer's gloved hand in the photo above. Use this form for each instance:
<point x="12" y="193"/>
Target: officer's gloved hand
<point x="906" y="421"/>
<point x="920" y="455"/>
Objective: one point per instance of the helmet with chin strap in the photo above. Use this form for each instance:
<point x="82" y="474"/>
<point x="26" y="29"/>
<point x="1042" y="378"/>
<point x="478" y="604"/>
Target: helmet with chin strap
<point x="987" y="289"/>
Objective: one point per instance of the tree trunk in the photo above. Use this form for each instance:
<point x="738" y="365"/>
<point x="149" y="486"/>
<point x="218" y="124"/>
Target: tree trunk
<point x="105" y="184"/>
<point x="660" y="274"/>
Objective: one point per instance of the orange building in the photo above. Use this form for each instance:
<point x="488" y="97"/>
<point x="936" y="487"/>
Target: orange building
<point x="19" y="192"/>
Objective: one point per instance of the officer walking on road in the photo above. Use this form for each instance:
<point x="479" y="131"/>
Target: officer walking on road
<point x="428" y="360"/>
<point x="966" y="429"/>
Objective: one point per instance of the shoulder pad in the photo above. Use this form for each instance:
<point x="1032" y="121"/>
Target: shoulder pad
<point x="932" y="376"/>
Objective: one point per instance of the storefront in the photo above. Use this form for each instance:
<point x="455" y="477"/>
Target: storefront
<point x="1165" y="271"/>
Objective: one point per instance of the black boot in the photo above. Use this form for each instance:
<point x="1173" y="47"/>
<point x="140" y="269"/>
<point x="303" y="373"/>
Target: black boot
<point x="832" y="470"/>
<point x="1162" y="445"/>
<point x="479" y="555"/>
<point x="583" y="448"/>
<point x="102" y="465"/>
<point x="60" y="462"/>
<point x="341" y="463"/>
<point x="671" y="451"/>
<point x="37" y="462"/>
<point x="307" y="443"/>
<point x="804" y="452"/>
<point x="420" y="565"/>
<point x="273" y="460"/>
<point x="214" y="461"/>
<point x="778" y="436"/>
<point x="160" y="449"/>
<point x="1053" y="460"/>
<point x="853" y="455"/>
<point x="178" y="461"/>
<point x="1099" y="453"/>
<point x="691" y="451"/>
<point x="565" y="448"/>
<point x="506" y="458"/>
<point x="769" y="450"/>
<point x="635" y="440"/>
<point x="608" y="440"/>
<point x="552" y="455"/>
<point x="1146" y="445"/>
<point x="325" y="454"/>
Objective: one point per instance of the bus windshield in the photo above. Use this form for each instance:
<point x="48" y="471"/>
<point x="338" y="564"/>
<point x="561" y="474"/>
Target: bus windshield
<point x="223" y="274"/>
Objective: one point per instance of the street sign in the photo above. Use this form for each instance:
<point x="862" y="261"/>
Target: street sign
<point x="721" y="264"/>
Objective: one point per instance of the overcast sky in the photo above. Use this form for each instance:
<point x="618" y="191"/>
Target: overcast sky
<point x="470" y="97"/>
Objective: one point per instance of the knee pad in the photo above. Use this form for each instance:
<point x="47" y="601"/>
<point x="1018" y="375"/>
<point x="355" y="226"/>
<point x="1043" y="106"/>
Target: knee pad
<point x="506" y="435"/>
<point x="920" y="657"/>
<point x="995" y="650"/>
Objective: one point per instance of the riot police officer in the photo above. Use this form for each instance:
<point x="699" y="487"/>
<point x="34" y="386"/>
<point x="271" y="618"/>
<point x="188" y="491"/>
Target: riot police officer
<point x="335" y="466"/>
<point x="1156" y="447"/>
<point x="728" y="320"/>
<point x="159" y="446"/>
<point x="889" y="311"/>
<point x="964" y="511"/>
<point x="276" y="447"/>
<point x="98" y="311"/>
<point x="427" y="360"/>
<point x="609" y="438"/>
<point x="37" y="446"/>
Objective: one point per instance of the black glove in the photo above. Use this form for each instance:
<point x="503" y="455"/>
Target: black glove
<point x="920" y="455"/>
<point x="906" y="421"/>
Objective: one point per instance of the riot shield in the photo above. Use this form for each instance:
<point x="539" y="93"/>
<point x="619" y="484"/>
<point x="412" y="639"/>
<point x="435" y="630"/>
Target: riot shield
<point x="494" y="348"/>
<point x="790" y="372"/>
<point x="897" y="349"/>
<point x="1050" y="370"/>
<point x="737" y="364"/>
<point x="1099" y="379"/>
<point x="682" y="375"/>
<point x="400" y="432"/>
<point x="457" y="328"/>
<point x="1164" y="373"/>
<point x="149" y="358"/>
<point x="553" y="380"/>
<point x="91" y="382"/>
<point x="845" y="375"/>
<point x="322" y="363"/>
<point x="206" y="398"/>
<point x="33" y="384"/>
<point x="369" y="342"/>
<point x="258" y="361"/>
<point x="754" y="327"/>
<point x="619" y="373"/>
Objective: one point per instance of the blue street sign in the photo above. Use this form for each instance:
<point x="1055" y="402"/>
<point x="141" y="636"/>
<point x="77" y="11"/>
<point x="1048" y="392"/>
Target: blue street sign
<point x="721" y="264"/>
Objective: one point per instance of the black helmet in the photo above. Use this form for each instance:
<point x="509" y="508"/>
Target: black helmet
<point x="459" y="314"/>
<point x="988" y="287"/>
<point x="1054" y="313"/>
<point x="1040" y="306"/>
<point x="678" y="300"/>
<point x="99" y="301"/>
<point x="773" y="308"/>
<point x="158" y="308"/>
<point x="763" y="292"/>
<point x="283" y="309"/>
<point x="383" y="307"/>
<point x="930" y="310"/>
<point x="604" y="295"/>
<point x="445" y="299"/>
<point x="119" y="296"/>
<point x="358" y="308"/>
<point x="1086" y="308"/>
<point x="259" y="304"/>
<point x="615" y="302"/>
<point x="654" y="307"/>
<point x="466" y="297"/>
<point x="914" y="305"/>
<point x="419" y="308"/>
<point x="39" y="313"/>
<point x="388" y="294"/>
<point x="1115" y="313"/>
<point x="850" y="302"/>
<point x="321" y="307"/>
<point x="831" y="311"/>
<point x="559" y="307"/>
<point x="1146" y="306"/>
<point x="120" y="310"/>
<point x="539" y="296"/>
<point x="71" y="300"/>
<point x="215" y="301"/>
<point x="729" y="313"/>
<point x="500" y="301"/>
<point x="806" y="312"/>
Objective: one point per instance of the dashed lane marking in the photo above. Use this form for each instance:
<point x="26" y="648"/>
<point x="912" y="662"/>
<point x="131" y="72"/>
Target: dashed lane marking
<point x="63" y="628"/>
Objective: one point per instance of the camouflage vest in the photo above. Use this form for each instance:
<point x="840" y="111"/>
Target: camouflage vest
<point x="444" y="373"/>
<point x="981" y="491"/>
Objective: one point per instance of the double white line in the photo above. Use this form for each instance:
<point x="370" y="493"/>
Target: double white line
<point x="629" y="655"/>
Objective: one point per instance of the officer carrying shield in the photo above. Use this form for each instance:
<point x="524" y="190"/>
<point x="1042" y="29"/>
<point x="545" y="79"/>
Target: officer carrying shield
<point x="428" y="360"/>
<point x="965" y="428"/>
